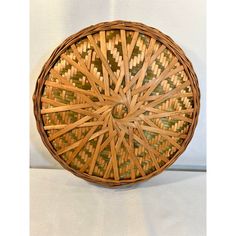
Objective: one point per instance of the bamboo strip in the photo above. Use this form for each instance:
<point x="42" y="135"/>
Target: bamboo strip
<point x="86" y="124"/>
<point x="143" y="70"/>
<point x="89" y="136"/>
<point x="104" y="53"/>
<point x="143" y="140"/>
<point x="76" y="124"/>
<point x="92" y="161"/>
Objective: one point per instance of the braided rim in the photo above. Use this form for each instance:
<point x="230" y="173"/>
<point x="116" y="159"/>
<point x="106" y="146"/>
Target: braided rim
<point x="126" y="25"/>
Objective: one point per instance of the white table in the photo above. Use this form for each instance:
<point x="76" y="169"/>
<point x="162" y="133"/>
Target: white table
<point x="171" y="204"/>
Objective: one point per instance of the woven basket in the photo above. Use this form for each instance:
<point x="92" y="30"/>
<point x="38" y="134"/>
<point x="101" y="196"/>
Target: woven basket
<point x="117" y="103"/>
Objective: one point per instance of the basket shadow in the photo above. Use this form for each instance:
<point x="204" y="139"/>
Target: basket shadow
<point x="176" y="177"/>
<point x="167" y="177"/>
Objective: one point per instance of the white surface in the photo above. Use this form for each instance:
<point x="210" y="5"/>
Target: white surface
<point x="171" y="204"/>
<point x="53" y="21"/>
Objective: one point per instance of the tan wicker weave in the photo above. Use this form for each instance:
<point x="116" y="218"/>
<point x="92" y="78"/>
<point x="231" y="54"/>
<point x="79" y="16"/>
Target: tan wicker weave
<point x="117" y="103"/>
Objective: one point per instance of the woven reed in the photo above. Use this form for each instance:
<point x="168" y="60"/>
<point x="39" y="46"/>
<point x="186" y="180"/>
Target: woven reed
<point x="117" y="103"/>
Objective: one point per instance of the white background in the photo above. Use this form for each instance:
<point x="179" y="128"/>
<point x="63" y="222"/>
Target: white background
<point x="173" y="204"/>
<point x="53" y="21"/>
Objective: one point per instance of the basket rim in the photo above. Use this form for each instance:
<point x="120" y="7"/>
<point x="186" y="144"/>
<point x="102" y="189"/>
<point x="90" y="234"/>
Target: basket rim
<point x="111" y="25"/>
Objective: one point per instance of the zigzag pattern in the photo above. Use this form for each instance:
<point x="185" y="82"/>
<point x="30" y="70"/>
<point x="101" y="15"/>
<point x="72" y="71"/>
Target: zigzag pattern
<point x="79" y="77"/>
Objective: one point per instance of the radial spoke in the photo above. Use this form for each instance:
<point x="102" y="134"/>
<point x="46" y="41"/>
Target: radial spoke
<point x="79" y="58"/>
<point x="117" y="148"/>
<point x="183" y="118"/>
<point x="76" y="90"/>
<point x="104" y="53"/>
<point x="155" y="97"/>
<point x="173" y="116"/>
<point x="102" y="57"/>
<point x="149" y="147"/>
<point x="120" y="139"/>
<point x="175" y="71"/>
<point x="60" y="104"/>
<point x="86" y="124"/>
<point x="105" y="75"/>
<point x="136" y="77"/>
<point x="129" y="147"/>
<point x="168" y="95"/>
<point x="87" y="67"/>
<point x="93" y="160"/>
<point x="108" y="169"/>
<point x="149" y="84"/>
<point x="133" y="157"/>
<point x="53" y="127"/>
<point x="132" y="44"/>
<point x="126" y="61"/>
<point x="132" y="162"/>
<point x="113" y="159"/>
<point x="139" y="108"/>
<point x="157" y="80"/>
<point x="157" y="129"/>
<point x="76" y="124"/>
<point x="105" y="63"/>
<point x="163" y="113"/>
<point x="143" y="69"/>
<point x="77" y="107"/>
<point x="150" y="129"/>
<point x="122" y="74"/>
<point x="154" y="84"/>
<point x="69" y="86"/>
<point x="107" y="141"/>
<point x="84" y="70"/>
<point x="144" y="141"/>
<point x="61" y="79"/>
<point x="164" y="134"/>
<point x="89" y="136"/>
<point x="113" y="152"/>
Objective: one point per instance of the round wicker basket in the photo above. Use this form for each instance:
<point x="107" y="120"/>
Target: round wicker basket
<point x="117" y="103"/>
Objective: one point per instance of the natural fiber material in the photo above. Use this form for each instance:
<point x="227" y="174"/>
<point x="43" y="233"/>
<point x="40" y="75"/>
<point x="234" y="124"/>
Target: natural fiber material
<point x="117" y="103"/>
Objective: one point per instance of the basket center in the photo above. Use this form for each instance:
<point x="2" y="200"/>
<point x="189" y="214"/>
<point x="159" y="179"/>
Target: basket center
<point x="119" y="111"/>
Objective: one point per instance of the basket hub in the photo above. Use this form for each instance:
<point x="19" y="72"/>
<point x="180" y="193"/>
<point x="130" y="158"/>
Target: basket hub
<point x="119" y="111"/>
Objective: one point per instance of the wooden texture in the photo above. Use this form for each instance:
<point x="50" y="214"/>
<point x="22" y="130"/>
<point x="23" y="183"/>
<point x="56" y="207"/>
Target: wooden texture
<point x="117" y="103"/>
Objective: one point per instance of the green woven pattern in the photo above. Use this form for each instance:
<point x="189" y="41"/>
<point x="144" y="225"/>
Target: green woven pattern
<point x="100" y="143"/>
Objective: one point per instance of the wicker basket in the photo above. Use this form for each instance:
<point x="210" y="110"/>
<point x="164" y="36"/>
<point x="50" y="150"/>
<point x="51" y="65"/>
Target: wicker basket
<point x="117" y="103"/>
